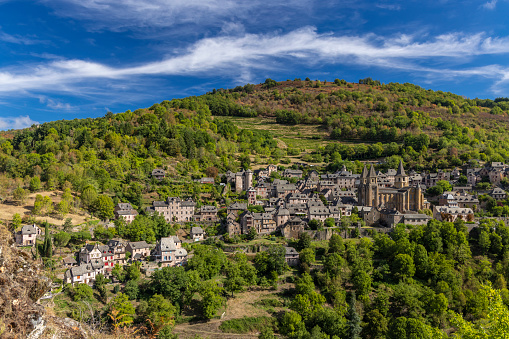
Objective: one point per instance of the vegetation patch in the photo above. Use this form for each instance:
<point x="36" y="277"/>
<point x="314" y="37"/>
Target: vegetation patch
<point x="246" y="324"/>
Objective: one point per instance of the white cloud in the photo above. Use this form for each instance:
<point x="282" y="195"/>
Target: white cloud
<point x="16" y="122"/>
<point x="243" y="53"/>
<point x="55" y="104"/>
<point x="490" y="4"/>
<point x="19" y="40"/>
<point x="119" y="15"/>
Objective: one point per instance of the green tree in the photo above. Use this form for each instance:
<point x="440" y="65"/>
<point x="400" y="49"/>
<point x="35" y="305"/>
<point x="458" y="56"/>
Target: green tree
<point x="124" y="307"/>
<point x="375" y="325"/>
<point x="16" y="221"/>
<point x="292" y="325"/>
<point x="88" y="196"/>
<point x="234" y="281"/>
<point x="103" y="207"/>
<point x="305" y="284"/>
<point x="100" y="285"/>
<point x="172" y="283"/>
<point x="212" y="299"/>
<point x="35" y="184"/>
<point x="336" y="244"/>
<point x="82" y="292"/>
<point x="307" y="256"/>
<point x="68" y="224"/>
<point x="403" y="266"/>
<point x="19" y="195"/>
<point x="304" y="241"/>
<point x="61" y="239"/>
<point x="353" y="325"/>
<point x="207" y="261"/>
<point x="132" y="289"/>
<point x="160" y="312"/>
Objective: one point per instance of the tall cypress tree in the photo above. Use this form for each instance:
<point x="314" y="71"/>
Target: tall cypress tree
<point x="47" y="248"/>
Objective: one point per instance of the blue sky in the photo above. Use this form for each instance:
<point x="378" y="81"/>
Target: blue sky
<point x="67" y="59"/>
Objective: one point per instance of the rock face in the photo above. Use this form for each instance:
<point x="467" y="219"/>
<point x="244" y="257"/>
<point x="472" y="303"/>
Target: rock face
<point x="22" y="283"/>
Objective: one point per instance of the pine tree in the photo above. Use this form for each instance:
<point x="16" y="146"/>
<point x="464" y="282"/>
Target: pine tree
<point x="353" y="325"/>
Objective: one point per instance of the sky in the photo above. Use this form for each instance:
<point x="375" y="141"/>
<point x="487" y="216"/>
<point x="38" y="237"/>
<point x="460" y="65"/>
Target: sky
<point x="68" y="59"/>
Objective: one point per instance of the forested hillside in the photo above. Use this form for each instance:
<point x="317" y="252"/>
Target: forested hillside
<point x="437" y="280"/>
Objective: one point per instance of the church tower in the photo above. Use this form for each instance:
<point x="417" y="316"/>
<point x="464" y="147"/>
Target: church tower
<point x="401" y="179"/>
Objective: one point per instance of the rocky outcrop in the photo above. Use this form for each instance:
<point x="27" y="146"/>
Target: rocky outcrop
<point x="22" y="284"/>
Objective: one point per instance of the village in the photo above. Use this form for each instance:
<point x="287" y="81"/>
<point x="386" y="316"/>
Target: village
<point x="288" y="206"/>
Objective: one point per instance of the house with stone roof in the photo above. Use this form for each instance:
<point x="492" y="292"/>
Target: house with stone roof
<point x="169" y="252"/>
<point x="27" y="235"/>
<point x="126" y="211"/>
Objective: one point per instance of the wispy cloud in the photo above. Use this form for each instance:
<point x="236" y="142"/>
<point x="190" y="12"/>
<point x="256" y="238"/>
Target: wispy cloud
<point x="19" y="39"/>
<point x="238" y="55"/>
<point x="490" y="4"/>
<point x="119" y="15"/>
<point x="16" y="122"/>
<point x="55" y="104"/>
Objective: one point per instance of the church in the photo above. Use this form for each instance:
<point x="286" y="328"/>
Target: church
<point x="401" y="197"/>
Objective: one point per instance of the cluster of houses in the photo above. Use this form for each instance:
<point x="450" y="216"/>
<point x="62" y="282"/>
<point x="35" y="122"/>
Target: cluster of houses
<point x="383" y="199"/>
<point x="95" y="259"/>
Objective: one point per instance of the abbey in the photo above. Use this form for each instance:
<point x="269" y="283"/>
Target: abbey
<point x="401" y="196"/>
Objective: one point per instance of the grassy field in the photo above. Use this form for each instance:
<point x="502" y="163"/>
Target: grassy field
<point x="307" y="137"/>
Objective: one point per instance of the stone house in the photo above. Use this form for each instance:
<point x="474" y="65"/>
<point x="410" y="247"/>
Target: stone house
<point x="197" y="233"/>
<point x="125" y="210"/>
<point x="84" y="273"/>
<point x="27" y="235"/>
<point x="138" y="249"/>
<point x="206" y="213"/>
<point x="291" y="256"/>
<point x="158" y="174"/>
<point x="169" y="252"/>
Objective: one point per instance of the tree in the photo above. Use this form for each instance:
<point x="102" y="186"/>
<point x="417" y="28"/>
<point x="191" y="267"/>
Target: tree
<point x="47" y="248"/>
<point x="16" y="221"/>
<point x="251" y="234"/>
<point x="403" y="266"/>
<point x="234" y="281"/>
<point x="336" y="244"/>
<point x="123" y="306"/>
<point x="68" y="224"/>
<point x="160" y="312"/>
<point x="104" y="234"/>
<point x="100" y="285"/>
<point x="271" y="260"/>
<point x="304" y="241"/>
<point x="495" y="323"/>
<point x="82" y="292"/>
<point x="103" y="207"/>
<point x="132" y="289"/>
<point x="353" y="325"/>
<point x="305" y="284"/>
<point x="207" y="261"/>
<point x="375" y="325"/>
<point x="20" y="195"/>
<point x="307" y="256"/>
<point x="292" y="325"/>
<point x="211" y="298"/>
<point x="61" y="239"/>
<point x="88" y="196"/>
<point x="118" y="272"/>
<point x="35" y="184"/>
<point x="315" y="224"/>
<point x="361" y="281"/>
<point x="172" y="283"/>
